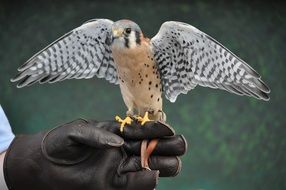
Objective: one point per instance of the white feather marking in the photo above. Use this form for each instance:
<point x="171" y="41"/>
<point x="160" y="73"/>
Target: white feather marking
<point x="132" y="40"/>
<point x="33" y="68"/>
<point x="241" y="72"/>
<point x="236" y="66"/>
<point x="39" y="65"/>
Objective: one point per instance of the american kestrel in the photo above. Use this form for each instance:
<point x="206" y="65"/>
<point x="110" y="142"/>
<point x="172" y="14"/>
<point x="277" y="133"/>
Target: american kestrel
<point x="176" y="60"/>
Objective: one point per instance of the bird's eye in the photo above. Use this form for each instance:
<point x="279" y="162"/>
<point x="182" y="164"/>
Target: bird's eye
<point x="127" y="30"/>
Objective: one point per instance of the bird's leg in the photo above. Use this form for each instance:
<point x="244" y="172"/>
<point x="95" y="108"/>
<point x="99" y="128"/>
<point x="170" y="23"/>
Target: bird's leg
<point x="123" y="122"/>
<point x="162" y="116"/>
<point x="128" y="119"/>
<point x="130" y="112"/>
<point x="143" y="119"/>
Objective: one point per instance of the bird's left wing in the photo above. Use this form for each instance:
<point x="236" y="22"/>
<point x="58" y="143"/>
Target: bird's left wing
<point x="186" y="57"/>
<point x="82" y="53"/>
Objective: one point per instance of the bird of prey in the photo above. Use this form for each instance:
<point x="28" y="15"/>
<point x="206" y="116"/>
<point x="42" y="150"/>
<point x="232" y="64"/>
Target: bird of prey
<point x="177" y="59"/>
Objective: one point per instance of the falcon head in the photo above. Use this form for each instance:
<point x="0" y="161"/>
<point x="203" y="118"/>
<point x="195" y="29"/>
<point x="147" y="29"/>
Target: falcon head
<point x="126" y="34"/>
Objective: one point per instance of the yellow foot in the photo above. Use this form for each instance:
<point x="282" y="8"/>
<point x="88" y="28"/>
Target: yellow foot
<point x="123" y="122"/>
<point x="144" y="119"/>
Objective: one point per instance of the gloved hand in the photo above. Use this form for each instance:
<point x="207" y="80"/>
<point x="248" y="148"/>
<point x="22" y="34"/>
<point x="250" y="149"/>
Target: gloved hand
<point x="91" y="155"/>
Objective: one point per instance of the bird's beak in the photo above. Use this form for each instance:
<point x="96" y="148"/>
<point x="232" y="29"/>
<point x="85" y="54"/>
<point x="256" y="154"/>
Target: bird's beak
<point x="117" y="32"/>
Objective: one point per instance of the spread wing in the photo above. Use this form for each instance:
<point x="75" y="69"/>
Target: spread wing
<point x="187" y="57"/>
<point x="82" y="53"/>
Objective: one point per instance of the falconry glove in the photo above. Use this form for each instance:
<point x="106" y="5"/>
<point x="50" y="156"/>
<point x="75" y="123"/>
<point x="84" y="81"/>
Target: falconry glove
<point x="92" y="155"/>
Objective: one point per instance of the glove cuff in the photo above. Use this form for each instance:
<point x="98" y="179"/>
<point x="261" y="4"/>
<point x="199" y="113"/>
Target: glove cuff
<point x="23" y="163"/>
<point x="5" y="166"/>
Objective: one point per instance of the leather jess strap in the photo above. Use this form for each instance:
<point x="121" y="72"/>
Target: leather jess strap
<point x="146" y="151"/>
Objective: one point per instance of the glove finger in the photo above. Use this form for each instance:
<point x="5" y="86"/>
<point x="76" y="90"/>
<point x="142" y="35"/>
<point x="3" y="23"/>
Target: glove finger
<point x="141" y="180"/>
<point x="135" y="131"/>
<point x="168" y="166"/>
<point x="95" y="137"/>
<point x="167" y="146"/>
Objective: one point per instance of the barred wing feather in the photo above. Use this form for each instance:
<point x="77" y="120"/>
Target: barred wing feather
<point x="187" y="57"/>
<point x="82" y="53"/>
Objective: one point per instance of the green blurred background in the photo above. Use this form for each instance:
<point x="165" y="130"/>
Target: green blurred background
<point x="234" y="142"/>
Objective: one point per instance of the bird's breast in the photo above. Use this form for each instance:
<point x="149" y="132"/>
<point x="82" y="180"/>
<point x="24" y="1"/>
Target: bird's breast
<point x="138" y="76"/>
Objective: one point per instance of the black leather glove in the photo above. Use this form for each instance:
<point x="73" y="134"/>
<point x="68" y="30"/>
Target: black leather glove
<point x="91" y="155"/>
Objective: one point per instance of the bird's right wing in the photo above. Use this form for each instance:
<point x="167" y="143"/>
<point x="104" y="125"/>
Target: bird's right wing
<point x="82" y="53"/>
